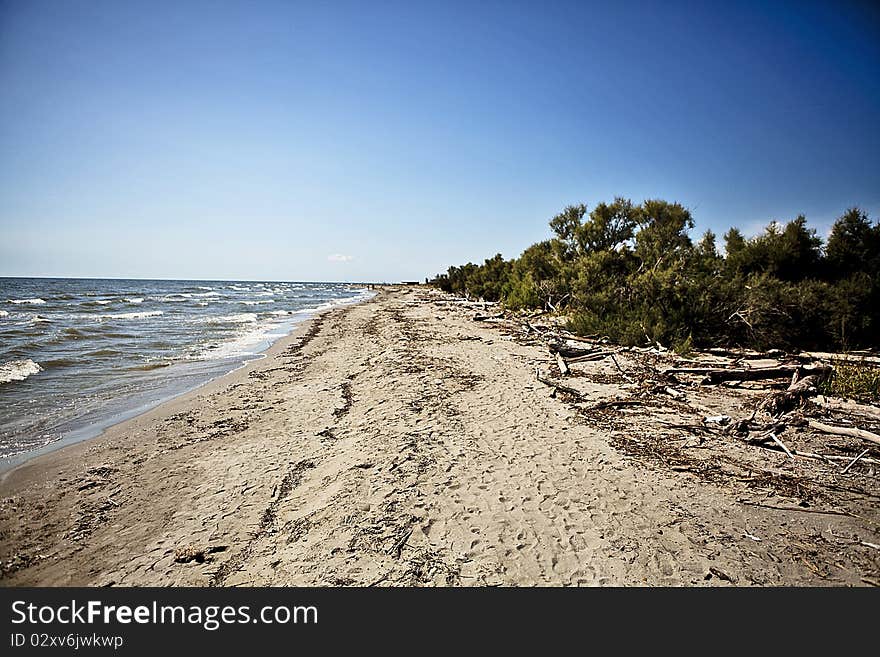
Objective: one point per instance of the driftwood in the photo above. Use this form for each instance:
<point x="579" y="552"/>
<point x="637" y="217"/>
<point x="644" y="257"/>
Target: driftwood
<point x="855" y="460"/>
<point x="785" y="449"/>
<point x="578" y="338"/>
<point x="832" y="404"/>
<point x="715" y="376"/>
<point x="558" y="386"/>
<point x="569" y="351"/>
<point x="620" y="369"/>
<point x="615" y="402"/>
<point x="833" y="457"/>
<point x="563" y="366"/>
<point x="845" y="431"/>
<point x="486" y="318"/>
<point x="745" y="354"/>
<point x="852" y="358"/>
<point x="801" y="509"/>
<point x="783" y="400"/>
<point x="597" y="355"/>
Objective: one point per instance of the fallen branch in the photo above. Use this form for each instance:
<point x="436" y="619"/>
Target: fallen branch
<point x="830" y="512"/>
<point x="563" y="366"/>
<point x="855" y="460"/>
<point x="558" y="386"/>
<point x="845" y="431"/>
<point x="611" y="404"/>
<point x="785" y="449"/>
<point x="598" y="355"/>
<point x="677" y="395"/>
<point x="620" y="369"/>
<point x="783" y="400"/>
<point x="569" y="351"/>
<point x="715" y="376"/>
<point x="832" y="404"/>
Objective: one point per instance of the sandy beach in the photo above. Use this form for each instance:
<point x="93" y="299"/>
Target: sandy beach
<point x="398" y="442"/>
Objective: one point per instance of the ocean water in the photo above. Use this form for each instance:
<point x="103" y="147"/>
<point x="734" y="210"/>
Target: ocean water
<point x="77" y="355"/>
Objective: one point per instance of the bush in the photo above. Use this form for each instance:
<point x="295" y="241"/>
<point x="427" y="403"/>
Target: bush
<point x="631" y="273"/>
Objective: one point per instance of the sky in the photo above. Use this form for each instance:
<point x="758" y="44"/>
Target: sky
<point x="382" y="141"/>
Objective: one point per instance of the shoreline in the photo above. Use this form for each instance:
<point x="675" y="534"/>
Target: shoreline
<point x="95" y="430"/>
<point x="397" y="442"/>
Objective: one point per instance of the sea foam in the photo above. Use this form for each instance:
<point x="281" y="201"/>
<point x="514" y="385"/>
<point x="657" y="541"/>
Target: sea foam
<point x="152" y="313"/>
<point x="18" y="370"/>
<point x="35" y="302"/>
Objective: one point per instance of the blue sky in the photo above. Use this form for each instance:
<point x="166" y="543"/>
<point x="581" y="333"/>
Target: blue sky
<point x="388" y="140"/>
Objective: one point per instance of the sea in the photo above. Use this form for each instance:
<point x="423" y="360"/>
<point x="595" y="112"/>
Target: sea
<point x="78" y="355"/>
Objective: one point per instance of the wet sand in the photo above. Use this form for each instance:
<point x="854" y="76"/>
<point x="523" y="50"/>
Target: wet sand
<point x="399" y="442"/>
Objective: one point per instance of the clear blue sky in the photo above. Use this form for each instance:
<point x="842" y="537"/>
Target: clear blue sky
<point x="258" y="140"/>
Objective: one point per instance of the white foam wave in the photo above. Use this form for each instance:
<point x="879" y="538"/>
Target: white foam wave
<point x="207" y="294"/>
<point x="135" y="300"/>
<point x="104" y="302"/>
<point x="35" y="302"/>
<point x="203" y="287"/>
<point x="257" y="303"/>
<point x="4" y="313"/>
<point x="18" y="370"/>
<point x="152" y="313"/>
<point x="240" y="317"/>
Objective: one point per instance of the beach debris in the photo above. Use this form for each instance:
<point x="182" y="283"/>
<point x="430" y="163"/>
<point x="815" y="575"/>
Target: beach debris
<point x="855" y="460"/>
<point x="563" y="366"/>
<point x="715" y="376"/>
<point x="190" y="553"/>
<point x="720" y="574"/>
<point x="845" y="431"/>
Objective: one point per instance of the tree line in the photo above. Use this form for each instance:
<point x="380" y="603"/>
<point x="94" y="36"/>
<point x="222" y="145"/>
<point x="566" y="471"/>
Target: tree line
<point x="632" y="273"/>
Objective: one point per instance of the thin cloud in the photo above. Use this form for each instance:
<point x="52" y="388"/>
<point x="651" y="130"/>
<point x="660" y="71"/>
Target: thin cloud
<point x="338" y="257"/>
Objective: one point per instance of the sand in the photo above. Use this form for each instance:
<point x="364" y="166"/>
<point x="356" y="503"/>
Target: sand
<point x="399" y="442"/>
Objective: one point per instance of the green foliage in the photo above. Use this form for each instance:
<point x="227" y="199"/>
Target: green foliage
<point x="633" y="274"/>
<point x="854" y="379"/>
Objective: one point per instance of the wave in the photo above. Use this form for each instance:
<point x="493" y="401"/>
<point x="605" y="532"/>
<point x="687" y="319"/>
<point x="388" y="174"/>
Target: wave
<point x="59" y="362"/>
<point x="35" y="301"/>
<point x="134" y="300"/>
<point x="18" y="370"/>
<point x="146" y="367"/>
<point x="4" y="313"/>
<point x="241" y="317"/>
<point x="207" y="294"/>
<point x="39" y="319"/>
<point x="151" y="313"/>
<point x="257" y="303"/>
<point x="102" y="352"/>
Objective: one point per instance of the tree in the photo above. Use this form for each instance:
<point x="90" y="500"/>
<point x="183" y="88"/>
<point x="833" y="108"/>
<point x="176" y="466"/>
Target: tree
<point x="854" y="245"/>
<point x="664" y="232"/>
